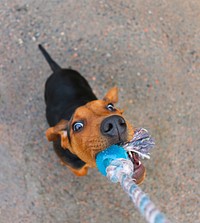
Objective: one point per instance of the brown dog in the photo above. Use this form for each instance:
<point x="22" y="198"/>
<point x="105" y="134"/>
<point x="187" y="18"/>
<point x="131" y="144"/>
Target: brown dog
<point x="80" y="124"/>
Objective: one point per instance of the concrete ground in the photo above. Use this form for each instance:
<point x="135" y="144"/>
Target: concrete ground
<point x="151" y="51"/>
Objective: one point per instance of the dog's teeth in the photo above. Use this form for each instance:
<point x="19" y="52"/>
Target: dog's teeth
<point x="130" y="154"/>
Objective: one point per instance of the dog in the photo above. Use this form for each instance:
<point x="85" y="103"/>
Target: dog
<point x="80" y="124"/>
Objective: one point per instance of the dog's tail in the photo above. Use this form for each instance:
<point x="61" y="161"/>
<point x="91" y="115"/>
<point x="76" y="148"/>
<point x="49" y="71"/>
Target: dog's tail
<point x="54" y="66"/>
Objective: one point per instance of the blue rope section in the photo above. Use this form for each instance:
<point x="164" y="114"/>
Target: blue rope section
<point x="120" y="170"/>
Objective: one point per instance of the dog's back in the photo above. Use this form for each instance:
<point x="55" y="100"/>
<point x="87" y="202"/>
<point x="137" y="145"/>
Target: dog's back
<point x="65" y="90"/>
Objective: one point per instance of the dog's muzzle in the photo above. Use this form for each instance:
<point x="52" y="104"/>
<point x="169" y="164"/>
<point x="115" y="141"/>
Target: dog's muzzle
<point x="114" y="126"/>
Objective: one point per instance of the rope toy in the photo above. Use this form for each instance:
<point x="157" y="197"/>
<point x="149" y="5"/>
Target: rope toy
<point x="117" y="163"/>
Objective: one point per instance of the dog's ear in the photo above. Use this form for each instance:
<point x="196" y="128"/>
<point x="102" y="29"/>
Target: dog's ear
<point x="57" y="131"/>
<point x="112" y="95"/>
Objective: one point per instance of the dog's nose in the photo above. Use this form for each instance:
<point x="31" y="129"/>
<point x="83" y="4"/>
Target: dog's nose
<point x="113" y="126"/>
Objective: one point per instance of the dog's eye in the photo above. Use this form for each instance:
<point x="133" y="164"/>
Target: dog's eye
<point x="77" y="126"/>
<point x="110" y="107"/>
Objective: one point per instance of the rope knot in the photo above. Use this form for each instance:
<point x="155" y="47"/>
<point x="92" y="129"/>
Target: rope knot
<point x="119" y="168"/>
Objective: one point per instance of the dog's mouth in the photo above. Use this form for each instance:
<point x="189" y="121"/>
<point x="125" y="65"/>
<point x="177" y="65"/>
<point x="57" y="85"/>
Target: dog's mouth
<point x="137" y="148"/>
<point x="139" y="171"/>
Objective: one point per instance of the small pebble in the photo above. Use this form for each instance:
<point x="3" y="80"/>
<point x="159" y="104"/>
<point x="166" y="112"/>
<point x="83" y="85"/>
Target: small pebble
<point x="108" y="55"/>
<point x="37" y="34"/>
<point x="20" y="41"/>
<point x="75" y="55"/>
<point x="33" y="38"/>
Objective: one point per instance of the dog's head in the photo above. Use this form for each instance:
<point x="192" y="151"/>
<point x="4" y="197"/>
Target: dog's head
<point x="92" y="128"/>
